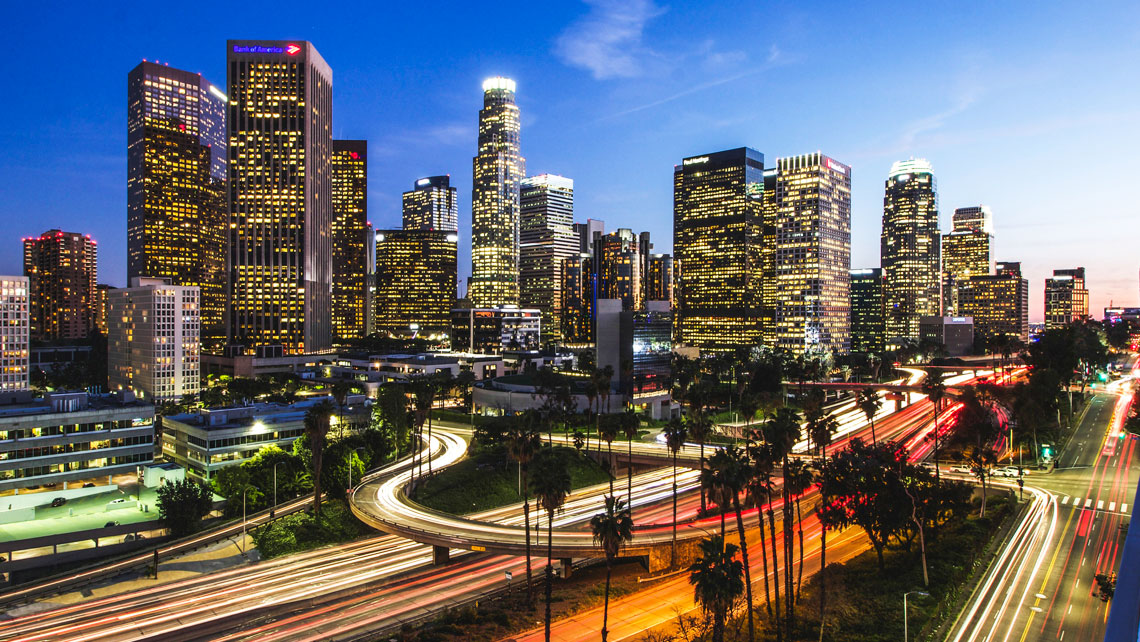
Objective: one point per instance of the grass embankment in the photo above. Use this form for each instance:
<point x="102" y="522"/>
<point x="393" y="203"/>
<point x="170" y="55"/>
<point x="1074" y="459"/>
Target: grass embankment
<point x="302" y="531"/>
<point x="864" y="604"/>
<point x="489" y="479"/>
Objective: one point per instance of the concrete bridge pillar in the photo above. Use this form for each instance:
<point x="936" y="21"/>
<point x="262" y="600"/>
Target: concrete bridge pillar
<point x="565" y="565"/>
<point x="440" y="555"/>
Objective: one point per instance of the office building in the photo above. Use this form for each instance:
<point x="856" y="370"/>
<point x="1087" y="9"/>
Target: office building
<point x="579" y="294"/>
<point x="1066" y="298"/>
<point x="73" y="436"/>
<point x="177" y="217"/>
<point x="618" y="263"/>
<point x="717" y="207"/>
<point x="546" y="239"/>
<point x="350" y="239"/>
<point x="495" y="330"/>
<point x="769" y="286"/>
<point x="998" y="303"/>
<point x="61" y="271"/>
<point x="280" y="193"/>
<point x="153" y="340"/>
<point x="14" y="333"/>
<point x="432" y="205"/>
<point x="638" y="346"/>
<point x="588" y="234"/>
<point x="102" y="291"/>
<point x="813" y="254"/>
<point x="369" y="280"/>
<point x="967" y="250"/>
<point x="868" y="312"/>
<point x="954" y="334"/>
<point x="415" y="283"/>
<point x="657" y="279"/>
<point x="498" y="171"/>
<point x="910" y="249"/>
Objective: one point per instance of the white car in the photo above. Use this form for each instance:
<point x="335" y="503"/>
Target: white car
<point x="962" y="470"/>
<point x="1008" y="471"/>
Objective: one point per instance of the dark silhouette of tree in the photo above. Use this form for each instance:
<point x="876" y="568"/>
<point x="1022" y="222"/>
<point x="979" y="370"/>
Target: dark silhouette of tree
<point x="317" y="420"/>
<point x="182" y="505"/>
<point x="523" y="442"/>
<point x="869" y="402"/>
<point x="675" y="435"/>
<point x="717" y="579"/>
<point x="550" y="483"/>
<point x="612" y="529"/>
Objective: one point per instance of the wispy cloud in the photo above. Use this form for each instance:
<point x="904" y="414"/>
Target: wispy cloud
<point x="608" y="41"/>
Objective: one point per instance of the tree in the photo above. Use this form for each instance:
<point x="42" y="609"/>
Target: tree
<point x="717" y="581"/>
<point x="797" y="479"/>
<point x="700" y="425"/>
<point x="821" y="425"/>
<point x="317" y="420"/>
<point x="612" y="529"/>
<point x="982" y="460"/>
<point x="935" y="389"/>
<point x="782" y="432"/>
<point x="182" y="504"/>
<point x="737" y="474"/>
<point x="760" y="495"/>
<point x="523" y="442"/>
<point x="675" y="440"/>
<point x="551" y="485"/>
<point x="869" y="402"/>
<point x="630" y="423"/>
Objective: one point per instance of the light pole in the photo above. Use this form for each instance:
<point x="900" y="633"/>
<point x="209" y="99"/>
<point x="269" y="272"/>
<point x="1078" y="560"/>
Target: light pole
<point x="243" y="492"/>
<point x="354" y="450"/>
<point x="273" y="508"/>
<point x="906" y="633"/>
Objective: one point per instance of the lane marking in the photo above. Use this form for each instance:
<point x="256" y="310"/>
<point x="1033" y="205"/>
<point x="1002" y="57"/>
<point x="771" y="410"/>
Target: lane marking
<point x="1088" y="502"/>
<point x="1124" y="508"/>
<point x="1111" y="506"/>
<point x="1100" y="504"/>
<point x="1065" y="501"/>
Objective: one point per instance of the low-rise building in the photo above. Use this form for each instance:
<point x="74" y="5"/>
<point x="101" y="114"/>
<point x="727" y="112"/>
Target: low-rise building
<point x="495" y="330"/>
<point x="153" y="339"/>
<point x="956" y="334"/>
<point x="73" y="436"/>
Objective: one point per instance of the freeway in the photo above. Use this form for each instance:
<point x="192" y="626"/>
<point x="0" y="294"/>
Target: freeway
<point x="1040" y="585"/>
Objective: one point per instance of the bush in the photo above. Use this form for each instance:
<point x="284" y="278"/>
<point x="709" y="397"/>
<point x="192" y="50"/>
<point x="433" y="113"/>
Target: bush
<point x="302" y="531"/>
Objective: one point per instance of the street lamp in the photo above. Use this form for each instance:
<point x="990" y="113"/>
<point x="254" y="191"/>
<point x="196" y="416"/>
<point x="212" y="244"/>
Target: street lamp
<point x="273" y="508"/>
<point x="906" y="633"/>
<point x="354" y="450"/>
<point x="243" y="492"/>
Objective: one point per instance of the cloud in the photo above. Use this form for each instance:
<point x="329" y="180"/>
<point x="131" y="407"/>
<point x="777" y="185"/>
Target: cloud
<point x="607" y="41"/>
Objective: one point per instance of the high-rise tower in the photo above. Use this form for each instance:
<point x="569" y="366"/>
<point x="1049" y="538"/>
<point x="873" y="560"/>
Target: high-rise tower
<point x="280" y="193"/>
<point x="176" y="202"/>
<point x="1066" y="298"/>
<point x="498" y="171"/>
<point x="717" y="207"/>
<point x="14" y="338"/>
<point x="967" y="250"/>
<point x="61" y="271"/>
<point x="546" y="239"/>
<point x="351" y="238"/>
<point x="432" y="205"/>
<point x="910" y="249"/>
<point x="813" y="254"/>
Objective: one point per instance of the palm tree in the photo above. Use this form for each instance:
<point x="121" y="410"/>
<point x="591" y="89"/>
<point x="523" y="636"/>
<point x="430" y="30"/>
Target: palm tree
<point x="675" y="439"/>
<point x="607" y="432"/>
<point x="869" y="402"/>
<point x="700" y="425"/>
<point x="760" y="495"/>
<point x="630" y="422"/>
<point x="717" y="581"/>
<point x="781" y="432"/>
<point x="820" y="427"/>
<point x="749" y="405"/>
<point x="523" y="441"/>
<point x="736" y="478"/>
<point x="592" y="391"/>
<point x="797" y="479"/>
<point x="551" y="484"/>
<point x="317" y="429"/>
<point x="982" y="459"/>
<point x="605" y="380"/>
<point x="611" y="529"/>
<point x="935" y="388"/>
<point x="714" y="484"/>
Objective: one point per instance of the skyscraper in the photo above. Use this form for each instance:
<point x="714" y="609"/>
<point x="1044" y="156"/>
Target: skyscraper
<point x="498" y="170"/>
<point x="61" y="271"/>
<point x="910" y="248"/>
<point x="14" y="336"/>
<point x="153" y="339"/>
<point x="176" y="200"/>
<point x="579" y="294"/>
<point x="350" y="238"/>
<point x="967" y="250"/>
<point x="868" y="321"/>
<point x="618" y="265"/>
<point x="546" y="239"/>
<point x="280" y="192"/>
<point x="1066" y="298"/>
<point x="415" y="283"/>
<point x="769" y="286"/>
<point x="813" y="254"/>
<point x="717" y="207"/>
<point x="998" y="303"/>
<point x="432" y="205"/>
<point x="658" y="278"/>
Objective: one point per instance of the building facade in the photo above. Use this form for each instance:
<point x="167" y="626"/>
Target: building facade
<point x="546" y="239"/>
<point x="868" y="311"/>
<point x="813" y="254"/>
<point x="1066" y="298"/>
<point x="910" y="249"/>
<point x="618" y="263"/>
<point x="498" y="172"/>
<point x="153" y="344"/>
<point x="415" y="283"/>
<point x="177" y="217"/>
<point x="495" y="330"/>
<point x="14" y="333"/>
<point x="61" y="271"/>
<point x="954" y="334"/>
<point x="658" y="278"/>
<point x="998" y="303"/>
<point x="432" y="204"/>
<point x="967" y="250"/>
<point x="280" y="193"/>
<point x="579" y="294"/>
<point x="350" y="239"/>
<point x="717" y="208"/>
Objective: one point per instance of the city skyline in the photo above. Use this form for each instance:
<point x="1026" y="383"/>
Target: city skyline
<point x="618" y="114"/>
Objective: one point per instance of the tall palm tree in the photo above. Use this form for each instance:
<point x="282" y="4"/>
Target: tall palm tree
<point x="551" y="485"/>
<point x="317" y="429"/>
<point x="934" y="386"/>
<point x="869" y="402"/>
<point x="700" y="425"/>
<point x="737" y="475"/>
<point x="760" y="495"/>
<point x="675" y="440"/>
<point x="821" y="425"/>
<point x="982" y="460"/>
<point x="523" y="441"/>
<point x="605" y="380"/>
<point x="749" y="404"/>
<point x="797" y="479"/>
<point x="630" y="423"/>
<point x="717" y="581"/>
<point x="607" y="432"/>
<point x="611" y="528"/>
<point x="591" y="391"/>
<point x="714" y="484"/>
<point x="422" y="396"/>
<point x="781" y="432"/>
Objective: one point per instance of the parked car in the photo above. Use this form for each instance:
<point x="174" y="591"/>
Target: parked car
<point x="963" y="470"/>
<point x="58" y="501"/>
<point x="110" y="524"/>
<point x="119" y="500"/>
<point x="89" y="485"/>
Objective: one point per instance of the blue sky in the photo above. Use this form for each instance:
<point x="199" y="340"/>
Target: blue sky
<point x="1031" y="109"/>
